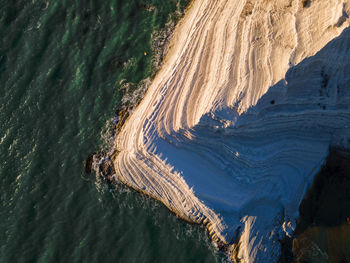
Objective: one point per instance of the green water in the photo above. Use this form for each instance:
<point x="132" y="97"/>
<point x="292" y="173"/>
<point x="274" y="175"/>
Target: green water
<point x="61" y="65"/>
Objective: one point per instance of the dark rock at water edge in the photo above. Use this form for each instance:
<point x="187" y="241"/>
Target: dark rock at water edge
<point x="88" y="163"/>
<point x="106" y="168"/>
<point x="122" y="115"/>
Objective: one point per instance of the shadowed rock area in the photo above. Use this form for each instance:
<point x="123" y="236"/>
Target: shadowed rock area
<point x="323" y="230"/>
<point x="327" y="203"/>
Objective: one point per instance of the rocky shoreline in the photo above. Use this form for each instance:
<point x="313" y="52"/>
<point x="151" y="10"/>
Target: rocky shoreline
<point x="133" y="94"/>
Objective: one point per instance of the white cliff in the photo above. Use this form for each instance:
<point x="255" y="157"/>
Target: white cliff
<point x="239" y="118"/>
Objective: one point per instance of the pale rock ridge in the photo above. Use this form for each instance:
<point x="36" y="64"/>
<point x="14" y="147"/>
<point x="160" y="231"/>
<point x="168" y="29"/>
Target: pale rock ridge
<point x="239" y="119"/>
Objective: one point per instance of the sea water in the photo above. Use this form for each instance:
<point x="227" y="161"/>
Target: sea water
<point x="62" y="65"/>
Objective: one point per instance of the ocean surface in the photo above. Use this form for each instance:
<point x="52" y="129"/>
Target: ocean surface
<point x="62" y="64"/>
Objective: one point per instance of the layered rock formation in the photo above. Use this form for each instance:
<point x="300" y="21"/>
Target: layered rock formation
<point x="240" y="117"/>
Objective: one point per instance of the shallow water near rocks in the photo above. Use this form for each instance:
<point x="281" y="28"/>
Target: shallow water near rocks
<point x="61" y="67"/>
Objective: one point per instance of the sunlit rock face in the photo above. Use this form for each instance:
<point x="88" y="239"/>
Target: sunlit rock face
<point x="240" y="117"/>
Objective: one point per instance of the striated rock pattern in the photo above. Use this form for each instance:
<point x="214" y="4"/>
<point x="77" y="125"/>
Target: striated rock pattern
<point x="240" y="117"/>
